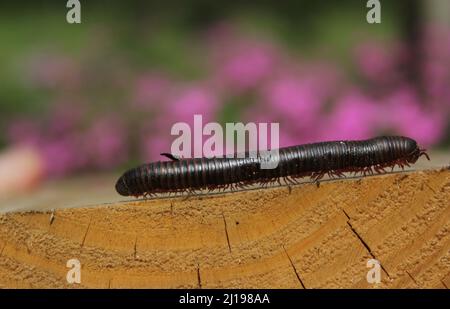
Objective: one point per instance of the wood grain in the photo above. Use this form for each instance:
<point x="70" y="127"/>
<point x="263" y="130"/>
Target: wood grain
<point x="312" y="237"/>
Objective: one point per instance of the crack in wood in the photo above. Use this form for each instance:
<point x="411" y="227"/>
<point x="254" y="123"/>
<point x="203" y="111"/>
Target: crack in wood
<point x="345" y="213"/>
<point x="431" y="188"/>
<point x="3" y="249"/>
<point x="52" y="216"/>
<point x="400" y="179"/>
<point x="294" y="268"/>
<point x="363" y="242"/>
<point x="199" y="279"/>
<point x="412" y="278"/>
<point x="226" y="232"/>
<point x="85" y="234"/>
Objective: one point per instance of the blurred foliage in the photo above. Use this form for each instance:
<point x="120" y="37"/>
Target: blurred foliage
<point x="160" y="34"/>
<point x="119" y="43"/>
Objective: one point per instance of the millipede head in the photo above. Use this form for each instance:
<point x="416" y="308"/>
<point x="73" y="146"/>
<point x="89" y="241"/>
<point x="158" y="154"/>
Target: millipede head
<point x="423" y="152"/>
<point x="416" y="154"/>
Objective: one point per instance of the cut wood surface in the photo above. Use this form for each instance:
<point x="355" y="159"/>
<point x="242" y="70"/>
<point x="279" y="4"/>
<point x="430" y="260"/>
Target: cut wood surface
<point x="307" y="237"/>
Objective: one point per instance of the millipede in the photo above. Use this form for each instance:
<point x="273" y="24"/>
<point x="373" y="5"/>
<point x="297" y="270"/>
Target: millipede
<point x="314" y="160"/>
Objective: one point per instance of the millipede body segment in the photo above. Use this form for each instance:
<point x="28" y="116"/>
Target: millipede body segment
<point x="309" y="160"/>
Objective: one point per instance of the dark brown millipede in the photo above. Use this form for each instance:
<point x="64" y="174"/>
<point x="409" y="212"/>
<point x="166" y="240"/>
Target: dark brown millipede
<point x="309" y="160"/>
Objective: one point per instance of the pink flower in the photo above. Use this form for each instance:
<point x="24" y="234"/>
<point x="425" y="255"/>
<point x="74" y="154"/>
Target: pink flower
<point x="151" y="147"/>
<point x="408" y="117"/>
<point x="245" y="64"/>
<point x="181" y="107"/>
<point x="436" y="66"/>
<point x="437" y="42"/>
<point x="376" y="62"/>
<point x="215" y="152"/>
<point x="296" y="100"/>
<point x="150" y="91"/>
<point x="53" y="70"/>
<point x="62" y="156"/>
<point x="289" y="139"/>
<point x="196" y="99"/>
<point x="354" y="117"/>
<point x="65" y="117"/>
<point x="106" y="142"/>
<point x="24" y="131"/>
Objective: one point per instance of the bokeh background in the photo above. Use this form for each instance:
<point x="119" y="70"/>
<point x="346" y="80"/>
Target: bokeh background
<point x="101" y="96"/>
